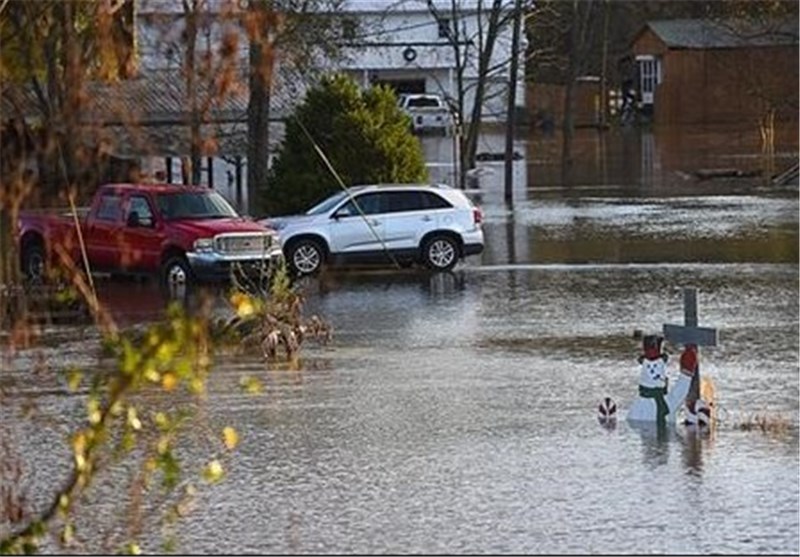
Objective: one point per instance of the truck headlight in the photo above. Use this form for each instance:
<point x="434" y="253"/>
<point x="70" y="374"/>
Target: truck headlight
<point x="204" y="245"/>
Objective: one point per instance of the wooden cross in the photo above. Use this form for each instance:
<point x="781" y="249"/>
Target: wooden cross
<point x="690" y="333"/>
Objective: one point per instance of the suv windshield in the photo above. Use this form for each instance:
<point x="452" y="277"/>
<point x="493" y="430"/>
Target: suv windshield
<point x="194" y="205"/>
<point x="327" y="205"/>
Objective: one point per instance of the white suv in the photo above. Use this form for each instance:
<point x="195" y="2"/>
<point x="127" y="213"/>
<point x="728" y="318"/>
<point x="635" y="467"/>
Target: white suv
<point x="435" y="225"/>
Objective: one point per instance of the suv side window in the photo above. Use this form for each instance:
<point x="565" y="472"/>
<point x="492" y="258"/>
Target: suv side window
<point x="403" y="201"/>
<point x="370" y="204"/>
<point x="433" y="201"/>
<point x="110" y="208"/>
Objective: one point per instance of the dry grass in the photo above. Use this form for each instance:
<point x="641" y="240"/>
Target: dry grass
<point x="771" y="425"/>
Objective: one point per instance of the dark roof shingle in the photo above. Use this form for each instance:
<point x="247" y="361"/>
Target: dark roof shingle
<point x="701" y="33"/>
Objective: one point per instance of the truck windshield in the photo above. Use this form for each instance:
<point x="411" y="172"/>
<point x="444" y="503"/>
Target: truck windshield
<point x="194" y="205"/>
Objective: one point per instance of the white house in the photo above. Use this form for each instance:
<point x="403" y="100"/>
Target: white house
<point x="408" y="44"/>
<point x="412" y="45"/>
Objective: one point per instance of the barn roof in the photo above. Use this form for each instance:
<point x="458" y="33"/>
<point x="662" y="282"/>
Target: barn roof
<point x="703" y="33"/>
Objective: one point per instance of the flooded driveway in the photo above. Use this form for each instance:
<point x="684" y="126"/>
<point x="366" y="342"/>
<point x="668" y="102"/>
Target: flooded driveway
<point x="456" y="413"/>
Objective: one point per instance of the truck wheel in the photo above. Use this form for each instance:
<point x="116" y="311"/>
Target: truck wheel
<point x="305" y="257"/>
<point x="440" y="253"/>
<point x="34" y="265"/>
<point x="176" y="276"/>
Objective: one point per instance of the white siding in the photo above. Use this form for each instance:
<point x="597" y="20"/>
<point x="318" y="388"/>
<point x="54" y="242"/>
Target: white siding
<point x="385" y="29"/>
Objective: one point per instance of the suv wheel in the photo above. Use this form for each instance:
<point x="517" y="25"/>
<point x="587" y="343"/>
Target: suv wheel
<point x="305" y="257"/>
<point x="440" y="253"/>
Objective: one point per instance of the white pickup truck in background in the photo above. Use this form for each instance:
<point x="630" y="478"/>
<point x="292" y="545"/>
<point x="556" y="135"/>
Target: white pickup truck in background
<point x="428" y="112"/>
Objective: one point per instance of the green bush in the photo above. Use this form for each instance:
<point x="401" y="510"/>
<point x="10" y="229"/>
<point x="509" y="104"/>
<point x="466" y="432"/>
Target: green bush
<point x="365" y="136"/>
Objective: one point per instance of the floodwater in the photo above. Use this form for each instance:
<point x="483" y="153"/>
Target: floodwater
<point x="456" y="413"/>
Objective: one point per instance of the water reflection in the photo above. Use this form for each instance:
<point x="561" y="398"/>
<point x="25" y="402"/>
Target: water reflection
<point x="454" y="411"/>
<point x="433" y="284"/>
<point x="655" y="442"/>
<point x="634" y="189"/>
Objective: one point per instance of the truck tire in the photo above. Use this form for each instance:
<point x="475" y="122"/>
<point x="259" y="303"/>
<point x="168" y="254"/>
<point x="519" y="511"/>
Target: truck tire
<point x="176" y="276"/>
<point x="34" y="262"/>
<point x="440" y="253"/>
<point x="305" y="257"/>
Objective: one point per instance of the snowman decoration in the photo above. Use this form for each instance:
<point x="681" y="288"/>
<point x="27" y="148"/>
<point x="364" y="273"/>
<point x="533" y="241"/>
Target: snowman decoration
<point x="657" y="403"/>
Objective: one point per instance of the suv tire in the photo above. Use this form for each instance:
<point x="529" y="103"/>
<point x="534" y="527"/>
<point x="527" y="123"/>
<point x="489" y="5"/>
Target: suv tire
<point x="440" y="253"/>
<point x="305" y="257"/>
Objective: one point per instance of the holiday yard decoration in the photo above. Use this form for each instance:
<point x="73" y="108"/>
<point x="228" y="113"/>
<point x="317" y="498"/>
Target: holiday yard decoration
<point x="657" y="402"/>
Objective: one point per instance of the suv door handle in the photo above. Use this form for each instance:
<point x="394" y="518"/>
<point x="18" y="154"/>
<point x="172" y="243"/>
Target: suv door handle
<point x="375" y="222"/>
<point x="426" y="218"/>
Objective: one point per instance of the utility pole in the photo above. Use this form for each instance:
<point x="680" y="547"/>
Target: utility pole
<point x="604" y="77"/>
<point x="512" y="100"/>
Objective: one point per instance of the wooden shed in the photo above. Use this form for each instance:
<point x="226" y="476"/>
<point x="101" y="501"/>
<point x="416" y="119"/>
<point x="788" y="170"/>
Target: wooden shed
<point x="692" y="71"/>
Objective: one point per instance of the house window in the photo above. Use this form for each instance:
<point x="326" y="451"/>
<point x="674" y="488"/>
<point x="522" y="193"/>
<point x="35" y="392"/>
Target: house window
<point x="348" y="29"/>
<point x="649" y="77"/>
<point x="444" y="28"/>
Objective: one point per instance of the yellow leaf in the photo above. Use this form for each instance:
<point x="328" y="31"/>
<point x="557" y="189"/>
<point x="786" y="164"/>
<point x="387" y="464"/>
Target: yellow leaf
<point x="79" y="443"/>
<point x="213" y="471"/>
<point x="93" y="409"/>
<point x="163" y="445"/>
<point x="245" y="308"/>
<point x="133" y="419"/>
<point x="230" y="437"/>
<point x="68" y="534"/>
<point x="169" y="381"/>
<point x="251" y="385"/>
<point x="151" y="374"/>
<point x="197" y="386"/>
<point x="74" y="379"/>
<point x="161" y="420"/>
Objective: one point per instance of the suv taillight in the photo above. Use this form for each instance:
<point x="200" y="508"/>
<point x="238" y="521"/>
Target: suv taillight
<point x="477" y="215"/>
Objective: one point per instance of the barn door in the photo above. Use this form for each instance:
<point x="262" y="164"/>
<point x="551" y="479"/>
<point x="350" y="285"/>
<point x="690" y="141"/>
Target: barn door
<point x="649" y="77"/>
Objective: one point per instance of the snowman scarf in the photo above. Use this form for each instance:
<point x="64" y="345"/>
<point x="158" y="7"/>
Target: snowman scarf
<point x="658" y="394"/>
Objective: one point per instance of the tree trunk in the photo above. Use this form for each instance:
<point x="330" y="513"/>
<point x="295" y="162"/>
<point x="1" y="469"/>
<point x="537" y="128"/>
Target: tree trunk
<point x="508" y="193"/>
<point x="70" y="107"/>
<point x="190" y="14"/>
<point x="484" y="61"/>
<point x="258" y="107"/>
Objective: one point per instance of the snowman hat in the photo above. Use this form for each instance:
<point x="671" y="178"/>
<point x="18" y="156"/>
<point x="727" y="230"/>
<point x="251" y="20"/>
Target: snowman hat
<point x="652" y="346"/>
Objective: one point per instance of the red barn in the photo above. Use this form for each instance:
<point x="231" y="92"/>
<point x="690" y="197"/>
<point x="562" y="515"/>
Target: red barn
<point x="694" y="71"/>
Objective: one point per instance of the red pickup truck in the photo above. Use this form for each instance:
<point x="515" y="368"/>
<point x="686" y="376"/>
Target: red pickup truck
<point x="181" y="234"/>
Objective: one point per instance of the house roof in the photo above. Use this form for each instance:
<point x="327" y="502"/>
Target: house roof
<point x="703" y="33"/>
<point x="149" y="113"/>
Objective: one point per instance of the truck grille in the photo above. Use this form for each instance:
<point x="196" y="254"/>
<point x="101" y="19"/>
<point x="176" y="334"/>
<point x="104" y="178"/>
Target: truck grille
<point x="243" y="244"/>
